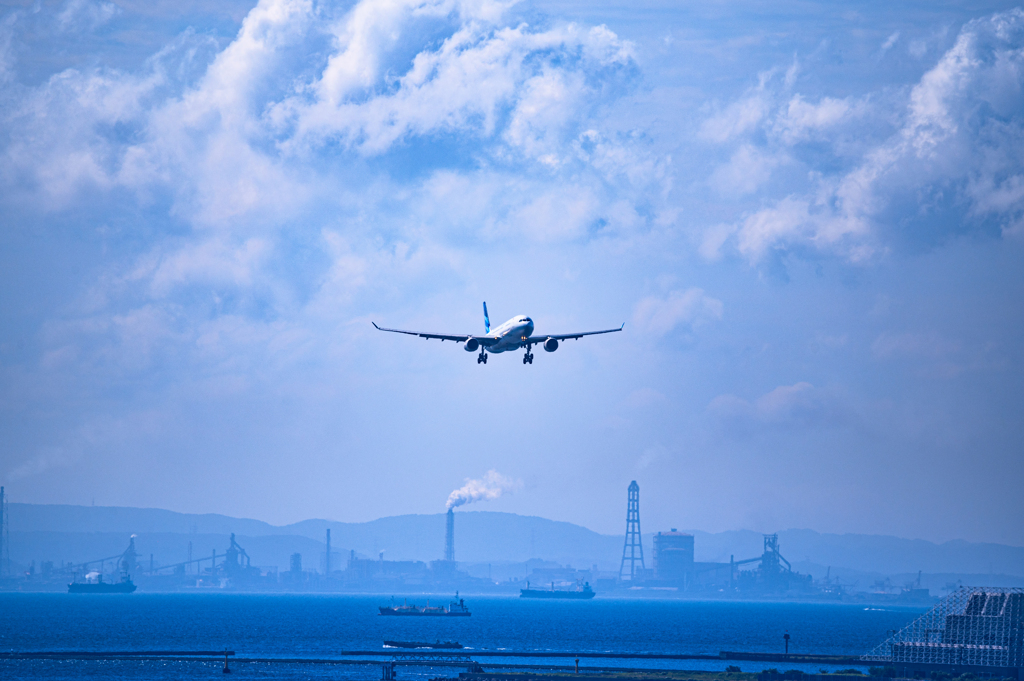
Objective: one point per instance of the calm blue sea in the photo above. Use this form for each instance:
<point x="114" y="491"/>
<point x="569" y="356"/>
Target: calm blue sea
<point x="323" y="626"/>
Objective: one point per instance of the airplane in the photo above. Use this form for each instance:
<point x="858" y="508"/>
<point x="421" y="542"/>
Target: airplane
<point x="514" y="334"/>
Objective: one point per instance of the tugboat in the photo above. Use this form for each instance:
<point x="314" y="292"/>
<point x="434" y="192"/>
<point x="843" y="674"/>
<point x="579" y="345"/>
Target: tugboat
<point x="455" y="609"/>
<point x="94" y="583"/>
<point x="582" y="591"/>
<point x="447" y="645"/>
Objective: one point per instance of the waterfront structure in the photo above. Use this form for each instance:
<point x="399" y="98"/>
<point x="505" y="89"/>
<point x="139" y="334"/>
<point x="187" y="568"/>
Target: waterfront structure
<point x="633" y="549"/>
<point x="975" y="629"/>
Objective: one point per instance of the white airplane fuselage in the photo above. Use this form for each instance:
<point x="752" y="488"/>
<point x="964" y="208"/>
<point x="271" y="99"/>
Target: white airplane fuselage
<point x="511" y="335"/>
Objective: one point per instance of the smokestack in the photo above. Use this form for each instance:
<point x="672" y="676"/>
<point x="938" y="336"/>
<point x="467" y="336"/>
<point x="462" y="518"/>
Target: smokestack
<point x="327" y="563"/>
<point x="3" y="534"/>
<point x="449" y="537"/>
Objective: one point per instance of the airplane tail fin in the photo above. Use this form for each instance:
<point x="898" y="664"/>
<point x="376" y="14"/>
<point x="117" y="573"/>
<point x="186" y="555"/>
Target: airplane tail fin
<point x="487" y="320"/>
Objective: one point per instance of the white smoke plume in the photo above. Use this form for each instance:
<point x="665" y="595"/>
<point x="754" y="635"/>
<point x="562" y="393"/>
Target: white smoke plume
<point x="491" y="486"/>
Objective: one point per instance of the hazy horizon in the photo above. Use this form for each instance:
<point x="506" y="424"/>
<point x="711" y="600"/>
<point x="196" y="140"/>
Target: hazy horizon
<point x="647" y="531"/>
<point x="809" y="217"/>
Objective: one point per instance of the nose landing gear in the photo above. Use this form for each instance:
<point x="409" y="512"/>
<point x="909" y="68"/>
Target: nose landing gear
<point x="481" y="358"/>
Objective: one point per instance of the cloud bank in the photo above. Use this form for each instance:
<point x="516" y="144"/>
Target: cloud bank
<point x="944" y="167"/>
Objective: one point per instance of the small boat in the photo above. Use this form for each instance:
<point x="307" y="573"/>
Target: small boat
<point x="438" y="645"/>
<point x="455" y="609"/>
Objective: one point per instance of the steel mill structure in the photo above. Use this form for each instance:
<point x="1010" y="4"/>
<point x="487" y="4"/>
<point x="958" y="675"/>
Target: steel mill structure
<point x="673" y="556"/>
<point x="977" y="629"/>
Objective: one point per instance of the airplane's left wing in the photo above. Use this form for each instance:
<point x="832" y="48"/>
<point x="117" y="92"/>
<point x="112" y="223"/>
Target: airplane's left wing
<point x="483" y="340"/>
<point x="568" y="336"/>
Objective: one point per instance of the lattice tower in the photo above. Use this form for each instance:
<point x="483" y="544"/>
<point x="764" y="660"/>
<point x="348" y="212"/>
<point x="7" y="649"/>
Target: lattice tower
<point x="973" y="626"/>
<point x="633" y="549"/>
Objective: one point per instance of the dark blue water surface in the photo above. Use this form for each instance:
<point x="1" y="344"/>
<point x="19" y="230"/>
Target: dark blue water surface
<point x="325" y="626"/>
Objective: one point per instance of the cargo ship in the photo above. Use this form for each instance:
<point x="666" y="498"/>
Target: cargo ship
<point x="455" y="609"/>
<point x="125" y="586"/>
<point x="447" y="645"/>
<point x="94" y="583"/>
<point x="582" y="591"/>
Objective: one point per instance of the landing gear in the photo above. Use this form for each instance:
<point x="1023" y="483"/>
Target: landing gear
<point x="481" y="358"/>
<point x="528" y="357"/>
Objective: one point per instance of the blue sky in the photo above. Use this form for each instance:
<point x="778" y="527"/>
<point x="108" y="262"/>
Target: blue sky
<point x="809" y="215"/>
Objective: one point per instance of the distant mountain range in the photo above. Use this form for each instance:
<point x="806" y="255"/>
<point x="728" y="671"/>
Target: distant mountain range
<point x="78" y="533"/>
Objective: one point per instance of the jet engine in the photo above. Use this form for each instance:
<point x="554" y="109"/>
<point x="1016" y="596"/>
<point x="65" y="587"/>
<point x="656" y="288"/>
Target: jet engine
<point x="550" y="345"/>
<point x="471" y="345"/>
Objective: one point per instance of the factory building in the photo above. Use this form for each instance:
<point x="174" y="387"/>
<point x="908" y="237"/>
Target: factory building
<point x="673" y="556"/>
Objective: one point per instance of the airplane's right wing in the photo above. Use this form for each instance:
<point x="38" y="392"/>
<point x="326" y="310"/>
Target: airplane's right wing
<point x="567" y="336"/>
<point x="482" y="340"/>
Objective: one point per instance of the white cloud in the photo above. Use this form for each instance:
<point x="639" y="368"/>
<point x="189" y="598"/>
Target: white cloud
<point x="801" y="119"/>
<point x="800" y="404"/>
<point x="713" y="239"/>
<point x="692" y="307"/>
<point x="958" y="133"/>
<point x="7" y="59"/>
<point x="235" y="147"/>
<point x="736" y="119"/>
<point x="795" y="220"/>
<point x="59" y="133"/>
<point x="464" y="84"/>
<point x="745" y="172"/>
<point x="890" y="41"/>
<point x="210" y="262"/>
<point x="913" y="345"/>
<point x="651" y="456"/>
<point x="85" y="15"/>
<point x="540" y="116"/>
<point x="40" y="463"/>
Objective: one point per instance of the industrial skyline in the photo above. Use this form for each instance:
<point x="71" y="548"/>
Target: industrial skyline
<point x="674" y="565"/>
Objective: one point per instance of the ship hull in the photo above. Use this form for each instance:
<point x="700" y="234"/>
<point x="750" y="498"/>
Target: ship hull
<point x="101" y="588"/>
<point x="447" y="645"/>
<point x="538" y="593"/>
<point x="392" y="612"/>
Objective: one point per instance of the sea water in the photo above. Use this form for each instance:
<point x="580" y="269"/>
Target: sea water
<point x="279" y="626"/>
